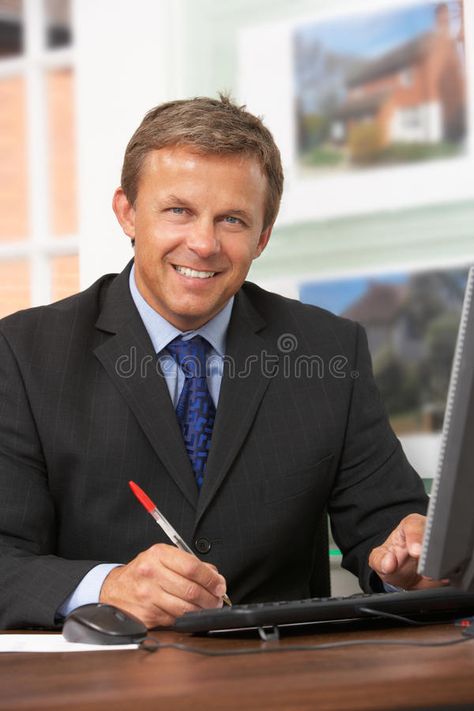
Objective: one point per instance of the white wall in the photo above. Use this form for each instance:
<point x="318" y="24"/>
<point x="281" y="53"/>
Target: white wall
<point x="128" y="60"/>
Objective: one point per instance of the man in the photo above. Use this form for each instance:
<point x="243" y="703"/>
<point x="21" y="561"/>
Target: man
<point x="94" y="392"/>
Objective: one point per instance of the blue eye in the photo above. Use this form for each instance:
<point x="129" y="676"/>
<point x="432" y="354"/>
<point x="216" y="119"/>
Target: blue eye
<point x="177" y="210"/>
<point x="232" y="220"/>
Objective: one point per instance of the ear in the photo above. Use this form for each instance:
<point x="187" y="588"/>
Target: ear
<point x="124" y="212"/>
<point x="263" y="241"/>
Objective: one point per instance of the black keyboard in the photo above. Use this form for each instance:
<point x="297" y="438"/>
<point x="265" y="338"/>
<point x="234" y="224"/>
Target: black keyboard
<point x="435" y="604"/>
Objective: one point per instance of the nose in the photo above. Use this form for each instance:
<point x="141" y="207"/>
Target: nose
<point x="203" y="239"/>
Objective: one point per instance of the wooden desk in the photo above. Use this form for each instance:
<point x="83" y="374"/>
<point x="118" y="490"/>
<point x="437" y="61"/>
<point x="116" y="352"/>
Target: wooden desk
<point x="374" y="677"/>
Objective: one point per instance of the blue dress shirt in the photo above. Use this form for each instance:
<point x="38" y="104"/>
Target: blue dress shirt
<point x="161" y="333"/>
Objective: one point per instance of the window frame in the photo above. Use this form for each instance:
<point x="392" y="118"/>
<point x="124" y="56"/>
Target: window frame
<point x="40" y="245"/>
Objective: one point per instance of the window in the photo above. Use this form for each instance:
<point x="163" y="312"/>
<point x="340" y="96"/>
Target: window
<point x="57" y="23"/>
<point x="411" y="118"/>
<point x="406" y="77"/>
<point x="11" y="28"/>
<point x="38" y="194"/>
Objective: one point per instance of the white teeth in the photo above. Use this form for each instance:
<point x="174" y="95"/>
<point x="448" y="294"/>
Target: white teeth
<point x="193" y="273"/>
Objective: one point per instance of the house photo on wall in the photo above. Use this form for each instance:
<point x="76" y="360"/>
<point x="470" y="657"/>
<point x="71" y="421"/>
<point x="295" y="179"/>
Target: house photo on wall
<point x="411" y="319"/>
<point x="381" y="88"/>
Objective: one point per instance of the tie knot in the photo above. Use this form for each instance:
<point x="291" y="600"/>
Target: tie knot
<point x="190" y="355"/>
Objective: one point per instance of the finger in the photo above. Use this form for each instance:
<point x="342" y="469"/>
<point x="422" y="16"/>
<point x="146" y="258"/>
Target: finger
<point x="414" y="529"/>
<point x="151" y="614"/>
<point x="190" y="567"/>
<point x="162" y="615"/>
<point x="402" y="541"/>
<point x="383" y="561"/>
<point x="173" y="606"/>
<point x="170" y="608"/>
<point x="389" y="570"/>
<point x="389" y="563"/>
<point x="188" y="591"/>
<point x="391" y="555"/>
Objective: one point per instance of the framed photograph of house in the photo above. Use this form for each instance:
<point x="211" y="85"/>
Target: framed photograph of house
<point x="411" y="319"/>
<point x="369" y="102"/>
<point x="385" y="87"/>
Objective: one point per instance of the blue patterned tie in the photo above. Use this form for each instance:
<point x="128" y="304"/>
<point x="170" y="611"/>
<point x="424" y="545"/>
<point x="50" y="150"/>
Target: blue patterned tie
<point x="195" y="409"/>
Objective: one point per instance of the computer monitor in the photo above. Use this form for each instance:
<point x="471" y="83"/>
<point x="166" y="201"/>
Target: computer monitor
<point x="448" y="546"/>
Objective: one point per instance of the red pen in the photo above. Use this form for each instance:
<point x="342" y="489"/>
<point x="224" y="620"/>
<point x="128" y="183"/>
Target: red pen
<point x="165" y="525"/>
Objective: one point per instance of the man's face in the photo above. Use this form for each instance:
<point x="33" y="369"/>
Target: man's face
<point x="197" y="224"/>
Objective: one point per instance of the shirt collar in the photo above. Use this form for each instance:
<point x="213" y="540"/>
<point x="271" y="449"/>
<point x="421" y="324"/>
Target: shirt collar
<point x="162" y="332"/>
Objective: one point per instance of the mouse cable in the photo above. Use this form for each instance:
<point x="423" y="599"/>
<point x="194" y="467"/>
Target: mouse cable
<point x="152" y="644"/>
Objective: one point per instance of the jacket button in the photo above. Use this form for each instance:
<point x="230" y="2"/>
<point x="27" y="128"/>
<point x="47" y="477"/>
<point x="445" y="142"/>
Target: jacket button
<point x="202" y="545"/>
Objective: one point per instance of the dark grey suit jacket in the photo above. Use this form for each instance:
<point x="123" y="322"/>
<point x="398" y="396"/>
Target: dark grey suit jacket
<point x="83" y="410"/>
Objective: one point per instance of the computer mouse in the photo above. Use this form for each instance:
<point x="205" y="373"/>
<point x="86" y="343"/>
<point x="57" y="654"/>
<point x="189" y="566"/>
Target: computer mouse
<point x="98" y="623"/>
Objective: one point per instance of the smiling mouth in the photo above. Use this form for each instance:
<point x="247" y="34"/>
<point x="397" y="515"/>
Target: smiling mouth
<point x="193" y="273"/>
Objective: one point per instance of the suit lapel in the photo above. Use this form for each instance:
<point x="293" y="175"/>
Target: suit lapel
<point x="127" y="356"/>
<point x="242" y="390"/>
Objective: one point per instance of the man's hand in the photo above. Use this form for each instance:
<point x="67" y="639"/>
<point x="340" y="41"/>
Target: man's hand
<point x="163" y="583"/>
<point x="396" y="560"/>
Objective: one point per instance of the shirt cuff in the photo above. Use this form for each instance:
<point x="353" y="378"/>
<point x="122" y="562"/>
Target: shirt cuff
<point x="88" y="589"/>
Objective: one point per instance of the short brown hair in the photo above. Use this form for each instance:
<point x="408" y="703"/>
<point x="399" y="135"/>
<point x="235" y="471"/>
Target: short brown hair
<point x="213" y="126"/>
